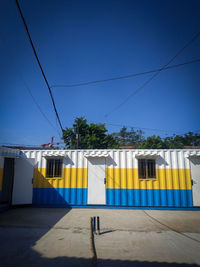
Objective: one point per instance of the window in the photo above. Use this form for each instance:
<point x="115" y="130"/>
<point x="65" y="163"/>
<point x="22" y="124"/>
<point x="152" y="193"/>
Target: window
<point x="147" y="168"/>
<point x="54" y="168"/>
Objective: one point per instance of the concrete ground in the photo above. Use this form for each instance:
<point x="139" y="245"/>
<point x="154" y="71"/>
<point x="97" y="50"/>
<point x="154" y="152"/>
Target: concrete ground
<point x="61" y="237"/>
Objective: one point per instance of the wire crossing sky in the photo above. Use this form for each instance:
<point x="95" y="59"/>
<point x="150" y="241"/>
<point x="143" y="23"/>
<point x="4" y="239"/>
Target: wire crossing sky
<point x="36" y="56"/>
<point x="90" y="46"/>
<point x="154" y="75"/>
<point x="126" y="76"/>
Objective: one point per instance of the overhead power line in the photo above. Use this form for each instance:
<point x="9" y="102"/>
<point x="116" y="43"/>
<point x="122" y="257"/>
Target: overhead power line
<point x="140" y="128"/>
<point x="23" y="145"/>
<point x="38" y="106"/>
<point x="148" y="129"/>
<point x="125" y="76"/>
<point x="29" y="91"/>
<point x="154" y="75"/>
<point x="36" y="56"/>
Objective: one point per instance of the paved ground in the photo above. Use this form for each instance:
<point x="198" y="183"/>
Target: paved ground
<point x="61" y="237"/>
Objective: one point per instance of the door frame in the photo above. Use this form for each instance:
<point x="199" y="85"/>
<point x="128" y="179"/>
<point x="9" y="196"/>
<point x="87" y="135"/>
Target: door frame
<point x="193" y="179"/>
<point x="88" y="158"/>
<point x="24" y="174"/>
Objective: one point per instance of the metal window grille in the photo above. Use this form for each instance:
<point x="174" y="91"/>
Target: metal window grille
<point x="147" y="168"/>
<point x="54" y="168"/>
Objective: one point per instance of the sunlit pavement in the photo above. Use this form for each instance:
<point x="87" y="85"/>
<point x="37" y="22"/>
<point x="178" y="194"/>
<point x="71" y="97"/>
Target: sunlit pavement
<point x="61" y="237"/>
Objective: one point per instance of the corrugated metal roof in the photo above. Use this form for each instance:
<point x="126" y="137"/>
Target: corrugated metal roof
<point x="193" y="153"/>
<point x="55" y="153"/>
<point x="97" y="153"/>
<point x="149" y="153"/>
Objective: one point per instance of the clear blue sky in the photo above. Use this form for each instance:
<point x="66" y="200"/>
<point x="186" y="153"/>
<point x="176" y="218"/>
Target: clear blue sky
<point x="80" y="41"/>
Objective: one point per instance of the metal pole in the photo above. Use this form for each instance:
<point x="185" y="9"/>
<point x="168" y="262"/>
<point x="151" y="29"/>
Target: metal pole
<point x="98" y="225"/>
<point x="94" y="225"/>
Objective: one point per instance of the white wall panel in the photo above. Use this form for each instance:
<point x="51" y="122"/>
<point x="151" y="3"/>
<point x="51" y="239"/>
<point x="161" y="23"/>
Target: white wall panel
<point x="168" y="159"/>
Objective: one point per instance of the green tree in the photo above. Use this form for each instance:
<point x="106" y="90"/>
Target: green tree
<point x="88" y="136"/>
<point x="129" y="138"/>
<point x="172" y="142"/>
<point x="153" y="142"/>
<point x="94" y="136"/>
<point x="179" y="141"/>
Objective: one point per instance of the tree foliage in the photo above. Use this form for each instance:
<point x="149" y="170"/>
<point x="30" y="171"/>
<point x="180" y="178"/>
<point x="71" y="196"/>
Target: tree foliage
<point x="94" y="136"/>
<point x="173" y="142"/>
<point x="153" y="142"/>
<point x="88" y="136"/>
<point x="129" y="138"/>
<point x="179" y="141"/>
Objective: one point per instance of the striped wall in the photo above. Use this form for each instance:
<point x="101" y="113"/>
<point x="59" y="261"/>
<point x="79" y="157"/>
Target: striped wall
<point x="70" y="189"/>
<point x="165" y="179"/>
<point x="171" y="188"/>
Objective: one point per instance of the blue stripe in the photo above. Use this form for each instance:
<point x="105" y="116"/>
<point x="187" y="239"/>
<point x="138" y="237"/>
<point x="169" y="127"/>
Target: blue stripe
<point x="73" y="196"/>
<point x="0" y="195"/>
<point x="130" y="198"/>
<point x="57" y="196"/>
<point x="124" y="197"/>
<point x="115" y="197"/>
<point x="136" y="197"/>
<point x="170" y="198"/>
<point x="149" y="197"/>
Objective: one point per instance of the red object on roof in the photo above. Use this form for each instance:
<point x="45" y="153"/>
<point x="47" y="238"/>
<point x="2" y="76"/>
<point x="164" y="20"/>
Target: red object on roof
<point x="191" y="147"/>
<point x="52" y="143"/>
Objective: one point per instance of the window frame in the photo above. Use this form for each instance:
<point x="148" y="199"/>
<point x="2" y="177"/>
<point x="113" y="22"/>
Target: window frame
<point x="147" y="169"/>
<point x="54" y="164"/>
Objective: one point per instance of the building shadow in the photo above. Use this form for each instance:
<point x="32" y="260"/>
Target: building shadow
<point x="37" y="260"/>
<point x="22" y="228"/>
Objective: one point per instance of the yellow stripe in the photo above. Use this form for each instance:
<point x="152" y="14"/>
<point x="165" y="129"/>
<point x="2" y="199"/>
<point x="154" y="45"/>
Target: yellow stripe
<point x="130" y="180"/>
<point x="1" y="178"/>
<point x="72" y="178"/>
<point x="116" y="178"/>
<point x="165" y="179"/>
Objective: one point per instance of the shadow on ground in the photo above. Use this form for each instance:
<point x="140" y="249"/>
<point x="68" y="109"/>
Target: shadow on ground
<point x="76" y="262"/>
<point x="20" y="230"/>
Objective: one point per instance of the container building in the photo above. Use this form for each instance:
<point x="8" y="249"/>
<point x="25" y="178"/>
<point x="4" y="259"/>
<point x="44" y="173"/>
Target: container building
<point x="132" y="178"/>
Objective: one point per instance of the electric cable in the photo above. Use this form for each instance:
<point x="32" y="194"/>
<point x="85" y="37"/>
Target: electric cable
<point x="36" y="56"/>
<point x="38" y="106"/>
<point x="29" y="91"/>
<point x="125" y="76"/>
<point x="148" y="129"/>
<point x="170" y="228"/>
<point x="154" y="75"/>
<point x="22" y="145"/>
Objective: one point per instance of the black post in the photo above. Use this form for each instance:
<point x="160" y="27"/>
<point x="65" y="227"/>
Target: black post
<point x="94" y="225"/>
<point x="98" y="225"/>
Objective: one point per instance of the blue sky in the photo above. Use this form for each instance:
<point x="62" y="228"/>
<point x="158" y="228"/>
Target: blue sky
<point x="80" y="41"/>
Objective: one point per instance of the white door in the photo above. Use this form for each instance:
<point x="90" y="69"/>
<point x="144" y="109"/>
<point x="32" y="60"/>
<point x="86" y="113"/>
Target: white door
<point x="96" y="181"/>
<point x="195" y="171"/>
<point x="23" y="181"/>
